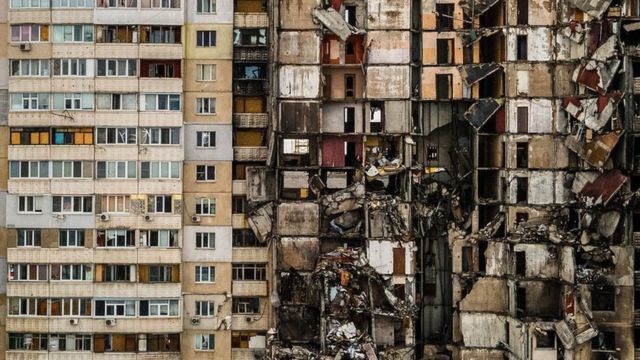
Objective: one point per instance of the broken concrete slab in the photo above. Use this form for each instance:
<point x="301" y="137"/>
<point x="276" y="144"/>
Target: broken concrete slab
<point x="593" y="112"/>
<point x="476" y="8"/>
<point x="474" y="35"/>
<point x="471" y="74"/>
<point x="298" y="219"/>
<point x="347" y="199"/>
<point x="597" y="151"/>
<point x="261" y="222"/>
<point x="599" y="71"/>
<point x="333" y="21"/>
<point x="598" y="189"/>
<point x="300" y="253"/>
<point x="594" y="8"/>
<point x="481" y="111"/>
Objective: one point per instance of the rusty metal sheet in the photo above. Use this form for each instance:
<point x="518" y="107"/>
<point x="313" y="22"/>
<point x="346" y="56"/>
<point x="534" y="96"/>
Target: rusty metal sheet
<point x="471" y="74"/>
<point x="480" y="112"/>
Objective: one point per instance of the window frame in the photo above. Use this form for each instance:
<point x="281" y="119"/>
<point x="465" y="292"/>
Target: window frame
<point x="206" y="203"/>
<point x="201" y="270"/>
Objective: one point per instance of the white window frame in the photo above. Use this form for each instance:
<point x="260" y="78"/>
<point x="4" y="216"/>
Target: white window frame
<point x="67" y="169"/>
<point x="163" y="238"/>
<point x="16" y="272"/>
<point x="152" y="204"/>
<point x="111" y="306"/>
<point x="202" y="272"/>
<point x="206" y="203"/>
<point x="203" y="69"/>
<point x="29" y="4"/>
<point x="157" y="135"/>
<point x="160" y="170"/>
<point x="205" y="308"/>
<point x="30" y="238"/>
<point x="121" y="204"/>
<point x="31" y="68"/>
<point x="29" y="304"/>
<point x="206" y="106"/>
<point x="114" y="169"/>
<point x="206" y="240"/>
<point x="202" y="173"/>
<point x="30" y="101"/>
<point x="70" y="29"/>
<point x="70" y="68"/>
<point x="73" y="4"/>
<point x="72" y="101"/>
<point x="206" y="139"/>
<point x="75" y="238"/>
<point x="74" y="201"/>
<point x="31" y="37"/>
<point x="205" y="342"/>
<point x="75" y="272"/>
<point x="154" y="100"/>
<point x="116" y="136"/>
<point x="164" y="308"/>
<point x="115" y="235"/>
<point x="295" y="146"/>
<point x="117" y="67"/>
<point x="208" y="38"/>
<point x="30" y="204"/>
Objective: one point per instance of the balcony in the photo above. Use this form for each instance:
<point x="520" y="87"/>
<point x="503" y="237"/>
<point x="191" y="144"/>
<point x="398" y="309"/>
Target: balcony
<point x="249" y="288"/>
<point x="250" y="153"/>
<point x="239" y="221"/>
<point x="250" y="87"/>
<point x="250" y="322"/>
<point x="250" y="255"/>
<point x="239" y="187"/>
<point x="250" y="54"/>
<point x="636" y="85"/>
<point x="251" y="20"/>
<point x="251" y="120"/>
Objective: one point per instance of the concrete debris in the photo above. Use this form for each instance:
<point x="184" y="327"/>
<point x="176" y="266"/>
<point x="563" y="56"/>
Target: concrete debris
<point x="598" y="189"/>
<point x="316" y="184"/>
<point x="592" y="112"/>
<point x="575" y="31"/>
<point x="476" y="8"/>
<point x="333" y="21"/>
<point x="594" y="8"/>
<point x="597" y="151"/>
<point x="474" y="35"/>
<point x="348" y="199"/>
<point x="261" y="221"/>
<point x="598" y="72"/>
<point x="471" y="74"/>
<point x="481" y="111"/>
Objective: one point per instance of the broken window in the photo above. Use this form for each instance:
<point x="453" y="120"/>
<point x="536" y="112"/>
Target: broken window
<point x="445" y="16"/>
<point x="521" y="302"/>
<point x="467" y="258"/>
<point x="523" y="119"/>
<point x="522" y="155"/>
<point x="244" y="339"/>
<point x="522" y="189"/>
<point x="245" y="238"/>
<point x="250" y="37"/>
<point x="521" y="217"/>
<point x="239" y="204"/>
<point x="603" y="299"/>
<point x="521" y="47"/>
<point x="444" y="86"/>
<point x="249" y="272"/>
<point x="295" y="146"/>
<point x="349" y="119"/>
<point x="444" y="51"/>
<point x="546" y="339"/>
<point x="350" y="14"/>
<point x="606" y="340"/>
<point x="521" y="263"/>
<point x="349" y="85"/>
<point x="523" y="12"/>
<point x="432" y="153"/>
<point x="376" y="119"/>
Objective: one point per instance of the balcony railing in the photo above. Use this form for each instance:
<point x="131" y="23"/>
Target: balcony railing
<point x="250" y="153"/>
<point x="250" y="120"/>
<point x="636" y="85"/>
<point x="250" y="54"/>
<point x="251" y="20"/>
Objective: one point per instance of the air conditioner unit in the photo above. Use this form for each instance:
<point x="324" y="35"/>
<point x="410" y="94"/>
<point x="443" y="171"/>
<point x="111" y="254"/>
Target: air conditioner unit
<point x="60" y="216"/>
<point x="195" y="321"/>
<point x="104" y="217"/>
<point x="74" y="321"/>
<point x="195" y="219"/>
<point x="110" y="322"/>
<point x="249" y="319"/>
<point x="25" y="47"/>
<point x="148" y="218"/>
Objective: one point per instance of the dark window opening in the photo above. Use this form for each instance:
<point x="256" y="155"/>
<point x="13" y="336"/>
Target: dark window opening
<point x="522" y="190"/>
<point x="467" y="259"/>
<point x="349" y="86"/>
<point x="445" y="16"/>
<point x="482" y="260"/>
<point x="521" y="217"/>
<point x="350" y="14"/>
<point x="521" y="45"/>
<point x="546" y="340"/>
<point x="445" y="51"/>
<point x="522" y="155"/>
<point x="523" y="119"/>
<point x="432" y="153"/>
<point x="523" y="12"/>
<point x="350" y="154"/>
<point x="521" y="263"/>
<point x="603" y="299"/>
<point x="349" y="119"/>
<point x="521" y="301"/>
<point x="606" y="340"/>
<point x="444" y="86"/>
<point x="239" y="205"/>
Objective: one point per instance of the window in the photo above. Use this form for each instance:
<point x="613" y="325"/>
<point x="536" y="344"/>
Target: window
<point x="432" y="153"/>
<point x="545" y="339"/>
<point x="467" y="259"/>
<point x="28" y="272"/>
<point x="161" y="238"/>
<point x="244" y="238"/>
<point x="115" y="169"/>
<point x="523" y="12"/>
<point x="206" y="72"/>
<point x="26" y="67"/>
<point x="71" y="272"/>
<point x="115" y="343"/>
<point x="605" y="340"/>
<point x="115" y="204"/>
<point x="249" y="272"/>
<point x="205" y="308"/>
<point x="205" y="105"/>
<point x="115" y="308"/>
<point x="603" y="298"/>
<point x="205" y="274"/>
<point x="163" y="342"/>
<point x="160" y="102"/>
<point x="73" y="3"/>
<point x="522" y="189"/>
<point x="159" y="204"/>
<point x="205" y="342"/>
<point x="72" y="33"/>
<point x="205" y="240"/>
<point x="69" y="67"/>
<point x="160" y="136"/>
<point x="521" y="47"/>
<point x="161" y="70"/>
<point x="71" y="169"/>
<point x="160" y="170"/>
<point x="522" y="155"/>
<point x="115" y="238"/>
<point x="71" y="307"/>
<point x="295" y="146"/>
<point x="205" y="38"/>
<point x="71" y="238"/>
<point x="30" y="204"/>
<point x="117" y="4"/>
<point x="29" y="33"/>
<point x="116" y="101"/>
<point x="159" y="308"/>
<point x="522" y="116"/>
<point x="444" y="21"/>
<point x="72" y="204"/>
<point x="72" y="342"/>
<point x="238" y="204"/>
<point x="444" y="86"/>
<point x="250" y="37"/>
<point x="29" y="169"/>
<point x="205" y="172"/>
<point x="206" y="6"/>
<point x="117" y="67"/>
<point x="32" y="342"/>
<point x="349" y="85"/>
<point x="26" y="4"/>
<point x="206" y="139"/>
<point x="161" y="4"/>
<point x="349" y="117"/>
<point x="115" y="273"/>
<point x="350" y="15"/>
<point x="206" y="206"/>
<point x="250" y="305"/>
<point x="160" y="273"/>
<point x="376" y="116"/>
<point x="160" y="34"/>
<point x="72" y="136"/>
<point x="72" y="101"/>
<point x="116" y="136"/>
<point x="29" y="101"/>
<point x="241" y="339"/>
<point x="29" y="136"/>
<point x="444" y="51"/>
<point x="117" y="34"/>
<point x="28" y="237"/>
